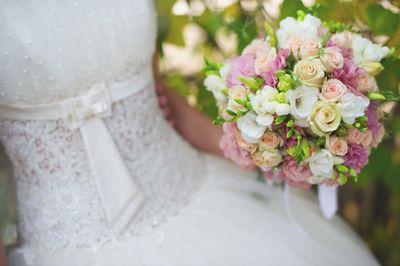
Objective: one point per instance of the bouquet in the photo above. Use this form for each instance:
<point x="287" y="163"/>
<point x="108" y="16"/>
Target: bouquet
<point x="301" y="104"/>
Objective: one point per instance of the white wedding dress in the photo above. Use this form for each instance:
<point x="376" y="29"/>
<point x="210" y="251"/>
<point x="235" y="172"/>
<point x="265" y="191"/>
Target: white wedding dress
<point x="103" y="180"/>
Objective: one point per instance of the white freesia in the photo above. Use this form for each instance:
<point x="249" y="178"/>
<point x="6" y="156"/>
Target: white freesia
<point x="265" y="105"/>
<point x="366" y="51"/>
<point x="290" y="29"/>
<point x="215" y="84"/>
<point x="302" y="100"/>
<point x="225" y="70"/>
<point x="321" y="164"/>
<point x="250" y="129"/>
<point x="352" y="106"/>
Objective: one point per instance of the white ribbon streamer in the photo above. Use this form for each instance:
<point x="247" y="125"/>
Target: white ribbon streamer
<point x="328" y="200"/>
<point x="289" y="213"/>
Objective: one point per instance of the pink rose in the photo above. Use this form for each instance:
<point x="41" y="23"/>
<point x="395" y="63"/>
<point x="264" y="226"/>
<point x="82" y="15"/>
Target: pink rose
<point x="295" y="174"/>
<point x="336" y="146"/>
<point x="357" y="137"/>
<point x="240" y="66"/>
<point x="310" y="47"/>
<point x="332" y="59"/>
<point x="366" y="83"/>
<point x="270" y="140"/>
<point x="333" y="90"/>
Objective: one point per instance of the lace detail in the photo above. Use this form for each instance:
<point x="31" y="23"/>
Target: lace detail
<point x="59" y="205"/>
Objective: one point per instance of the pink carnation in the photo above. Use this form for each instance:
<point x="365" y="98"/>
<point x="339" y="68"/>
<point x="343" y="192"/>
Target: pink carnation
<point x="357" y="157"/>
<point x="349" y="75"/>
<point x="232" y="150"/>
<point x="241" y="66"/>
<point x="294" y="174"/>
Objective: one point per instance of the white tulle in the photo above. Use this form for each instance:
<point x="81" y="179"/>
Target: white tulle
<point x="198" y="209"/>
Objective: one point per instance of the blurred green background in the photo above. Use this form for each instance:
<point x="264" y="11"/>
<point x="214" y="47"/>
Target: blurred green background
<point x="189" y="30"/>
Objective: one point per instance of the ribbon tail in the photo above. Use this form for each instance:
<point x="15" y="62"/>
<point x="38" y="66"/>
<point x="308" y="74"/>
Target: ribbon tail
<point x="120" y="195"/>
<point x="288" y="209"/>
<point x="328" y="200"/>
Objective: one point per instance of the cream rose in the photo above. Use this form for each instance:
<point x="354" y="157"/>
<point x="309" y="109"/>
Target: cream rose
<point x="332" y="59"/>
<point x="270" y="140"/>
<point x="325" y="117"/>
<point x="310" y="72"/>
<point x="236" y="92"/>
<point x="366" y="83"/>
<point x="336" y="146"/>
<point x="333" y="90"/>
<point x="310" y="47"/>
<point x="267" y="158"/>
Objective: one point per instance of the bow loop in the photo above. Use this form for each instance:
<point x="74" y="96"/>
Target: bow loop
<point x="96" y="102"/>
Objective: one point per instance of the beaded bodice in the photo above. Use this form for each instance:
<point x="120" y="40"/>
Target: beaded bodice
<point x="58" y="51"/>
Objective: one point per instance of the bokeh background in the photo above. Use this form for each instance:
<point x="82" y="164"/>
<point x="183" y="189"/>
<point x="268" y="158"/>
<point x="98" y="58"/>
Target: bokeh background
<point x="190" y="30"/>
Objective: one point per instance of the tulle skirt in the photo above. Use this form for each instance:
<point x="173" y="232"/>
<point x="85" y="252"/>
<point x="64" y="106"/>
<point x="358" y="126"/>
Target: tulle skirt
<point x="233" y="220"/>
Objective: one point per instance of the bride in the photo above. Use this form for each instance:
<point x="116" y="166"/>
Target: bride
<point x="102" y="178"/>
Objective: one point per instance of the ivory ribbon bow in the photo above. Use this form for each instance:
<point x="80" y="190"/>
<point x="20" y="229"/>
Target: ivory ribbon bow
<point x="120" y="195"/>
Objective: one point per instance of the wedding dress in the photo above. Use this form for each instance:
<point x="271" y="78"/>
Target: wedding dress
<point x="102" y="179"/>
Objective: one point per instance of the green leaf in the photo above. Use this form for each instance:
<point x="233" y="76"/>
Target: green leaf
<point x="280" y="119"/>
<point x="289" y="8"/>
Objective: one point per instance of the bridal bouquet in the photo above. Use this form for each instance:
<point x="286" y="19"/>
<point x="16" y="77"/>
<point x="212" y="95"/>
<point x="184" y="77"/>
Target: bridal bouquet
<point x="302" y="104"/>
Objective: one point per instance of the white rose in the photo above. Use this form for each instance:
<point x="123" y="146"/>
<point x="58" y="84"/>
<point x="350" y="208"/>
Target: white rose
<point x="215" y="84"/>
<point x="366" y="51"/>
<point x="352" y="106"/>
<point x="302" y="100"/>
<point x="321" y="164"/>
<point x="250" y="129"/>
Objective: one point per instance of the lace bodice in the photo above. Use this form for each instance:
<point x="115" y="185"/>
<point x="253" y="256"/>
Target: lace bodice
<point x="56" y="52"/>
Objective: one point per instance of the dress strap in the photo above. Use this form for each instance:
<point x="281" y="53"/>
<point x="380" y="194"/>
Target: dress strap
<point x="120" y="196"/>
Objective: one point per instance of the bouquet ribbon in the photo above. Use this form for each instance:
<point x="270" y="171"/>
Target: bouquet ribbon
<point x="120" y="196"/>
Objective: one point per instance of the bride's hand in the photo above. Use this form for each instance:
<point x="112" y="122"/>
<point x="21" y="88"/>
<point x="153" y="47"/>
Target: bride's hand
<point x="194" y="126"/>
<point x="2" y="254"/>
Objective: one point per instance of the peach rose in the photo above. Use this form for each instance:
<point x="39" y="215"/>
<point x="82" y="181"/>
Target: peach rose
<point x="357" y="137"/>
<point x="267" y="158"/>
<point x="310" y="48"/>
<point x="332" y="90"/>
<point x="366" y="83"/>
<point x="257" y="46"/>
<point x="336" y="146"/>
<point x="270" y="140"/>
<point x="249" y="147"/>
<point x="332" y="59"/>
<point x="310" y="72"/>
